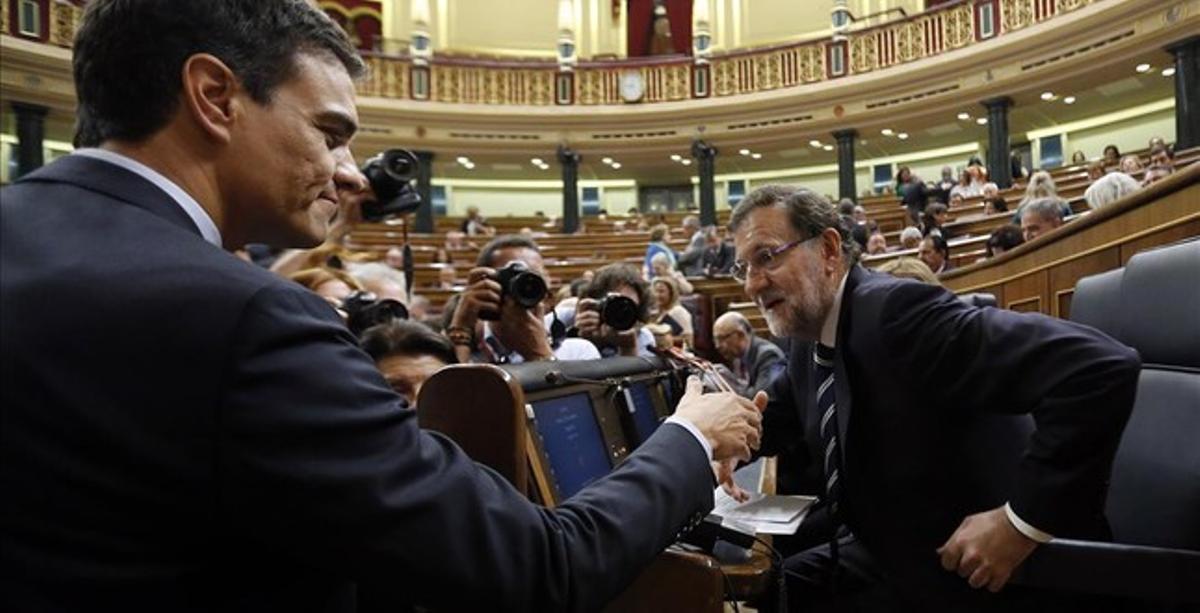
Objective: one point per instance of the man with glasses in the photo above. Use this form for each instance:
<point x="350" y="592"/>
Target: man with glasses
<point x="754" y="361"/>
<point x="895" y="388"/>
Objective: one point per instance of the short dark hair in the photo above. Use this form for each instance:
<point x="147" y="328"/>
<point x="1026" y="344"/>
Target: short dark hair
<point x="998" y="203"/>
<point x="409" y="338"/>
<point x="939" y="244"/>
<point x="129" y="54"/>
<point x="1005" y="237"/>
<point x="487" y="255"/>
<point x="610" y="278"/>
<point x="809" y="212"/>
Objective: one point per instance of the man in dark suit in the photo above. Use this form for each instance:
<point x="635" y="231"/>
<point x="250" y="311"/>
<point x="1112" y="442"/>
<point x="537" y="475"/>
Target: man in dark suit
<point x="912" y="405"/>
<point x="718" y="254"/>
<point x="185" y="431"/>
<point x="754" y="361"/>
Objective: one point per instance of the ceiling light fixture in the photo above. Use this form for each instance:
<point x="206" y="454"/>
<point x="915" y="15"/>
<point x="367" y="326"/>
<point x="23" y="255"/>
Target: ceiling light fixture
<point x="981" y="121"/>
<point x="616" y="165"/>
<point x="828" y="147"/>
<point x="902" y="136"/>
<point x="606" y="160"/>
<point x="1069" y="100"/>
<point x="689" y="162"/>
<point x="462" y="159"/>
<point x="1168" y="71"/>
<point x="964" y="116"/>
<point x="757" y="156"/>
<point x="744" y="151"/>
<point x="1143" y="68"/>
<point x="886" y="132"/>
<point x="815" y="143"/>
<point x="536" y="161"/>
<point x="676" y="157"/>
<point x="1047" y="96"/>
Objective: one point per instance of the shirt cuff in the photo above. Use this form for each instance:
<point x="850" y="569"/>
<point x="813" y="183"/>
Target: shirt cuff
<point x="695" y="432"/>
<point x="1024" y="528"/>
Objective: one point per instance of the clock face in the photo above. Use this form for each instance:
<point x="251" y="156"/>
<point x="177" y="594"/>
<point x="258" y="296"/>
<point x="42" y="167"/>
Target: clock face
<point x="632" y="87"/>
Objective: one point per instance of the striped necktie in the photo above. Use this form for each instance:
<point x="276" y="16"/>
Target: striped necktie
<point x="823" y="360"/>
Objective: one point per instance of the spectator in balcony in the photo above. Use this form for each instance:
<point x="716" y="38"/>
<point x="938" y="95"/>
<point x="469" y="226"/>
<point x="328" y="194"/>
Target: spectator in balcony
<point x="1162" y="163"/>
<point x="998" y="204"/>
<point x="1095" y="170"/>
<point x="669" y="311"/>
<point x="658" y="244"/>
<point x="690" y="260"/>
<point x="1078" y="157"/>
<point x="718" y="253"/>
<point x="935" y="252"/>
<point x="407" y="353"/>
<point x="910" y="237"/>
<point x="909" y="268"/>
<point x="1131" y="165"/>
<point x="447" y="277"/>
<point x="876" y="243"/>
<point x="660" y="267"/>
<point x="1112" y="156"/>
<point x="1040" y="216"/>
<point x="753" y="361"/>
<point x="1004" y="238"/>
<point x="1110" y="188"/>
<point x="476" y="224"/>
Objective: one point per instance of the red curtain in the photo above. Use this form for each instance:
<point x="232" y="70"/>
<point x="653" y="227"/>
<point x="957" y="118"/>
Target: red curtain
<point x="641" y="26"/>
<point x="362" y="19"/>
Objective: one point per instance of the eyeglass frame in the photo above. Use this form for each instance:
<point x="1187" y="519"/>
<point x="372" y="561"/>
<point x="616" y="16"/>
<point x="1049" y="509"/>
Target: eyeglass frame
<point x="741" y="268"/>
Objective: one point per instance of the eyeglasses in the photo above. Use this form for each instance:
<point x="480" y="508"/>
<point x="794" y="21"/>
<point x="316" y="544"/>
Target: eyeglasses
<point x="764" y="259"/>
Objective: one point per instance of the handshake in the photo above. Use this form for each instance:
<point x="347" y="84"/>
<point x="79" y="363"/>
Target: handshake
<point x="731" y="424"/>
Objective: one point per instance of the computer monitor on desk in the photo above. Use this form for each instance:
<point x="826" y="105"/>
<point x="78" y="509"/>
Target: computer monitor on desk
<point x="642" y="408"/>
<point x="570" y="442"/>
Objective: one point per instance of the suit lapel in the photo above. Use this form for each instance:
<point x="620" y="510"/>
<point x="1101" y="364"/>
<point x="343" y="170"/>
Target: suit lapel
<point x="845" y="399"/>
<point x="115" y="182"/>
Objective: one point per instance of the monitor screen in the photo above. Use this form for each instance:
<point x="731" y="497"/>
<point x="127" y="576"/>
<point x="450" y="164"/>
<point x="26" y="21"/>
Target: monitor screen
<point x="571" y="437"/>
<point x="641" y="407"/>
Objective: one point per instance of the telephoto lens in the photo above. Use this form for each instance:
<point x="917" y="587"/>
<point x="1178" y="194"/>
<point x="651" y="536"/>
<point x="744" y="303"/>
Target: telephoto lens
<point x="619" y="312"/>
<point x="527" y="288"/>
<point x="364" y="310"/>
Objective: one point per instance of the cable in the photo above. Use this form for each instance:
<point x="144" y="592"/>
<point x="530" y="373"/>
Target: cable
<point x="780" y="575"/>
<point x="732" y="598"/>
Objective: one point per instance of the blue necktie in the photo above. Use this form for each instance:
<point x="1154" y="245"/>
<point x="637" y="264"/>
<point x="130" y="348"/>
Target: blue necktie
<point x="823" y="360"/>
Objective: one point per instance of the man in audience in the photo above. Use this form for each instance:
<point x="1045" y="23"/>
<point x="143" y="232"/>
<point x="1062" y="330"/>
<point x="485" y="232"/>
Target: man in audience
<point x="754" y="362"/>
<point x="942" y="189"/>
<point x="910" y="237"/>
<point x="1040" y="216"/>
<point x="902" y="387"/>
<point x="615" y="280"/>
<point x="380" y="279"/>
<point x="989" y="190"/>
<point x="208" y="436"/>
<point x="1004" y="238"/>
<point x="1162" y="164"/>
<point x="516" y="334"/>
<point x="1110" y="188"/>
<point x="447" y="277"/>
<point x="876" y="243"/>
<point x="935" y="252"/>
<point x="407" y="353"/>
<point x="691" y="260"/>
<point x="718" y="253"/>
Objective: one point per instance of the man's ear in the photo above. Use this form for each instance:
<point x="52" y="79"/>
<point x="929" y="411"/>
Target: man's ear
<point x="831" y="248"/>
<point x="210" y="95"/>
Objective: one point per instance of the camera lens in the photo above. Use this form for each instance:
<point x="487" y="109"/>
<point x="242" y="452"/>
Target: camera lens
<point x="400" y="166"/>
<point x="619" y="312"/>
<point x="528" y="289"/>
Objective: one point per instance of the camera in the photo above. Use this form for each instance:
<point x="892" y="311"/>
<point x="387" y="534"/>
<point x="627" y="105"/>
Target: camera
<point x="619" y="312"/>
<point x="526" y="287"/>
<point x="391" y="173"/>
<point x="364" y="310"/>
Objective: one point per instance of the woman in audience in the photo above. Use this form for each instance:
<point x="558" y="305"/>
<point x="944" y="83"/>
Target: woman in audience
<point x="660" y="267"/>
<point x="996" y="204"/>
<point x="407" y="353"/>
<point x="904" y="181"/>
<point x="669" y="311"/>
<point x="956" y="199"/>
<point x="1112" y="155"/>
<point x="658" y="244"/>
<point x="1041" y="185"/>
<point x="934" y="220"/>
<point x="1095" y="170"/>
<point x="1078" y="157"/>
<point x="909" y="268"/>
<point x="475" y="224"/>
<point x="1110" y="188"/>
<point x="331" y="284"/>
<point x="1004" y="238"/>
<point x="1131" y="164"/>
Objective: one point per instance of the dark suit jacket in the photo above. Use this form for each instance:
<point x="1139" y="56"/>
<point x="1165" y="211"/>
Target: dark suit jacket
<point x="763" y="362"/>
<point x="718" y="261"/>
<point x="931" y="394"/>
<point x="185" y="431"/>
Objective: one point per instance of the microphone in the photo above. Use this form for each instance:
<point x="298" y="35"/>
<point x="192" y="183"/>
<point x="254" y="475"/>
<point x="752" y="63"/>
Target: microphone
<point x="557" y="377"/>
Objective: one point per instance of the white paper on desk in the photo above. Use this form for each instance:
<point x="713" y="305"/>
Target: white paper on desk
<point x="768" y="514"/>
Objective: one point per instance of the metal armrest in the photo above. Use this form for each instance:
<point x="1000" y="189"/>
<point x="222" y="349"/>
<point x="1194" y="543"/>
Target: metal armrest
<point x="1093" y="567"/>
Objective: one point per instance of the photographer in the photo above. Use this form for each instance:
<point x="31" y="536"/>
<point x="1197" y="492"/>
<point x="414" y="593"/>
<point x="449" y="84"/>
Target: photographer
<point x="490" y="324"/>
<point x="618" y="292"/>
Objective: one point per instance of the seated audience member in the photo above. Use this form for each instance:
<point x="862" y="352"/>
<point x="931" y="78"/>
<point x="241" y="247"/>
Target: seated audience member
<point x="935" y="252"/>
<point x="990" y="190"/>
<point x="1156" y="141"/>
<point x="1112" y="155"/>
<point x="910" y="237"/>
<point x="941" y="189"/>
<point x="331" y="284"/>
<point x="1004" y="238"/>
<point x="858" y="231"/>
<point x="846" y="207"/>
<point x="1041" y="186"/>
<point x="1131" y="164"/>
<point x="407" y="353"/>
<point x="1040" y="216"/>
<point x="860" y="214"/>
<point x="515" y="334"/>
<point x="447" y="277"/>
<point x="1095" y="170"/>
<point x="1078" y="157"/>
<point x="689" y="262"/>
<point x="718" y="254"/>
<point x="455" y="243"/>
<point x="991" y="206"/>
<point x="876" y="243"/>
<point x="1162" y="163"/>
<point x="934" y="221"/>
<point x="669" y="311"/>
<point x="1110" y="188"/>
<point x="476" y="224"/>
<point x="753" y="361"/>
<point x="614" y="279"/>
<point x="967" y="187"/>
<point x="956" y="200"/>
<point x="380" y="279"/>
<point x="394" y="258"/>
<point x="909" y="268"/>
<point x="658" y="244"/>
<point x="660" y="267"/>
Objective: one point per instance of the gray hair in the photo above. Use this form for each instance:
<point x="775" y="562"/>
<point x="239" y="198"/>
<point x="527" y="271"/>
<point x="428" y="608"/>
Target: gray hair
<point x="809" y="212"/>
<point x="1046" y="208"/>
<point x="1041" y="185"/>
<point x="1110" y="188"/>
<point x="909" y="233"/>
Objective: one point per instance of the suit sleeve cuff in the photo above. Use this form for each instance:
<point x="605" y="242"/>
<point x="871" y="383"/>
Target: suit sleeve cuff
<point x="695" y="432"/>
<point x="1024" y="528"/>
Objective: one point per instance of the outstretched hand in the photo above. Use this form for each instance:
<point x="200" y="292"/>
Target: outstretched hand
<point x="731" y="424"/>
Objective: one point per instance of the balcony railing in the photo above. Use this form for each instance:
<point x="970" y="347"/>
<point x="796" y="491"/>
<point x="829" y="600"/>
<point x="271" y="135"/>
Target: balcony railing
<point x="462" y="80"/>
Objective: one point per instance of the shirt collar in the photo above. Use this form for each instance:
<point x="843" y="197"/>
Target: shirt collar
<point x="829" y="328"/>
<point x="208" y="229"/>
